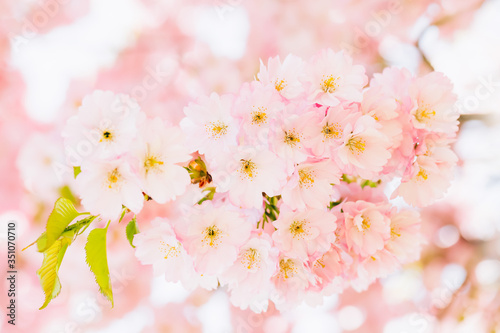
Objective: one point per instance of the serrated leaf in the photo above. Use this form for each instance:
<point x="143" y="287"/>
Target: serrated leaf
<point x="76" y="171"/>
<point x="131" y="231"/>
<point x="49" y="279"/>
<point x="63" y="213"/>
<point x="97" y="260"/>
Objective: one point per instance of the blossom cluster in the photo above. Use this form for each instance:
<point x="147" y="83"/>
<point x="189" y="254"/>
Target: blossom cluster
<point x="277" y="192"/>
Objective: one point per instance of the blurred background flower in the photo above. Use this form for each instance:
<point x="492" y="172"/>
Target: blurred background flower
<point x="165" y="54"/>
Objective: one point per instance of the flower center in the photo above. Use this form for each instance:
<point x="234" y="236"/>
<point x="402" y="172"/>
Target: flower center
<point x="298" y="229"/>
<point x="291" y="138"/>
<point x="329" y="83"/>
<point x="251" y="258"/>
<point x="279" y="84"/>
<point x="356" y="145"/>
<point x="306" y="179"/>
<point x="212" y="236"/>
<point x="169" y="251"/>
<point x="424" y="114"/>
<point x="248" y="169"/>
<point x="152" y="163"/>
<point x="287" y="268"/>
<point x="365" y="224"/>
<point x="395" y="232"/>
<point x="113" y="178"/>
<point x="331" y="131"/>
<point x="422" y="175"/>
<point x="106" y="136"/>
<point x="216" y="129"/>
<point x="259" y="117"/>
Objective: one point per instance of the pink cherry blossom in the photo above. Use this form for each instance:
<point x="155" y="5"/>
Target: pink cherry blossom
<point x="252" y="173"/>
<point x="209" y="125"/>
<point x="159" y="246"/>
<point x="434" y="101"/>
<point x="367" y="226"/>
<point x="158" y="153"/>
<point x="364" y="148"/>
<point x="105" y="126"/>
<point x="214" y="236"/>
<point x="311" y="185"/>
<point x="285" y="77"/>
<point x="290" y="280"/>
<point x="406" y="241"/>
<point x="105" y="186"/>
<point x="249" y="277"/>
<point x="300" y="234"/>
<point x="332" y="78"/>
<point x="258" y="107"/>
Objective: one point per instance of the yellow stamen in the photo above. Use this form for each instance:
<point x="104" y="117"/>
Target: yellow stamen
<point x="169" y="251"/>
<point x="212" y="236"/>
<point x="259" y="116"/>
<point x="113" y="178"/>
<point x="395" y="232"/>
<point x="356" y="145"/>
<point x="422" y="175"/>
<point x="331" y="131"/>
<point x="152" y="162"/>
<point x="248" y="169"/>
<point x="329" y="83"/>
<point x="251" y="258"/>
<point x="306" y="179"/>
<point x="106" y="136"/>
<point x="366" y="223"/>
<point x="287" y="268"/>
<point x="424" y="114"/>
<point x="298" y="229"/>
<point x="216" y="129"/>
<point x="279" y="84"/>
<point x="291" y="138"/>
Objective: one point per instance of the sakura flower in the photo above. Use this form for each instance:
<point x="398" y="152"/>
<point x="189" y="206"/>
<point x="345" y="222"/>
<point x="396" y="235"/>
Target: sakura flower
<point x="252" y="173"/>
<point x="160" y="247"/>
<point x="158" y="151"/>
<point x="367" y="226"/>
<point x="425" y="182"/>
<point x="406" y="240"/>
<point x="249" y="277"/>
<point x="379" y="264"/>
<point x="105" y="186"/>
<point x="434" y="104"/>
<point x="325" y="129"/>
<point x="288" y="141"/>
<point x="300" y="234"/>
<point x="258" y="106"/>
<point x="42" y="168"/>
<point x="105" y="126"/>
<point x="333" y="78"/>
<point x="378" y="103"/>
<point x="214" y="236"/>
<point x="328" y="266"/>
<point x="290" y="280"/>
<point x="284" y="77"/>
<point x="210" y="126"/>
<point x="364" y="148"/>
<point x="311" y="185"/>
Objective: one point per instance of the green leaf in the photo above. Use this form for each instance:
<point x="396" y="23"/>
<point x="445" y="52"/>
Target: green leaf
<point x="49" y="279"/>
<point x="65" y="192"/>
<point x="97" y="260"/>
<point x="77" y="170"/>
<point x="131" y="231"/>
<point x="63" y="213"/>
